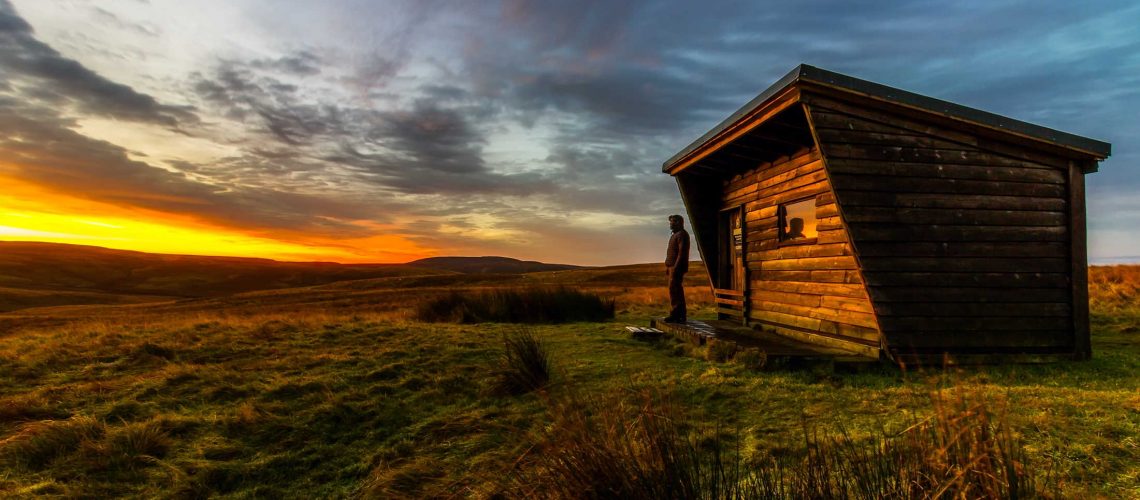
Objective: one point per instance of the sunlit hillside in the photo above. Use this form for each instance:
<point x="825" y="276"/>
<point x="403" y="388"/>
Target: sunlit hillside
<point x="49" y="274"/>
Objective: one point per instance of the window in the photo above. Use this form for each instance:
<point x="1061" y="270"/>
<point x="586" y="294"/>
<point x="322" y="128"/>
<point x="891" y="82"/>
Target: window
<point x="798" y="222"/>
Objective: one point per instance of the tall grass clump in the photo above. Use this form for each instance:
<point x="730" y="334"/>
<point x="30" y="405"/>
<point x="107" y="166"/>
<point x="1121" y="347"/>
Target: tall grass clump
<point x="37" y="444"/>
<point x="648" y="449"/>
<point x="524" y="364"/>
<point x="527" y="305"/>
<point x="642" y="449"/>
<point x="964" y="449"/>
<point x="1113" y="289"/>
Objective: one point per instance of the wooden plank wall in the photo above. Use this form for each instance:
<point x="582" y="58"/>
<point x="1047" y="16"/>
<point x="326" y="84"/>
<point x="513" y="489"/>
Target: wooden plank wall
<point x="964" y="242"/>
<point x="812" y="292"/>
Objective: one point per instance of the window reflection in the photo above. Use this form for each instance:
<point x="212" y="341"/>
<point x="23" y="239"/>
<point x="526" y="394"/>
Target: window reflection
<point x="798" y="222"/>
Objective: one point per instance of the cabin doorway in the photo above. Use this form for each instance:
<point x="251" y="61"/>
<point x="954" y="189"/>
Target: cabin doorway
<point x="731" y="265"/>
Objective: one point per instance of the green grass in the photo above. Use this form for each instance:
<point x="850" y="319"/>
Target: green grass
<point x="318" y="400"/>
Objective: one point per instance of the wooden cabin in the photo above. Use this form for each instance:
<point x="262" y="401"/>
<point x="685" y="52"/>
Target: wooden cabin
<point x="849" y="214"/>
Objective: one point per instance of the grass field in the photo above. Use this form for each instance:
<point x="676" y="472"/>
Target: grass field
<point x="334" y="391"/>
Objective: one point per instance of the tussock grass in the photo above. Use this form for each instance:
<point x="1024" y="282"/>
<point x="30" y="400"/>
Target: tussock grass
<point x="36" y="444"/>
<point x="1114" y="289"/>
<point x="524" y="364"/>
<point x="137" y="444"/>
<point x="639" y="448"/>
<point x="525" y="305"/>
<point x="648" y="448"/>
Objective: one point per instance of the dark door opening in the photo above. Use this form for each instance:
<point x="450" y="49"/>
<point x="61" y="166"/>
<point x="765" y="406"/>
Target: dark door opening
<point x="731" y="258"/>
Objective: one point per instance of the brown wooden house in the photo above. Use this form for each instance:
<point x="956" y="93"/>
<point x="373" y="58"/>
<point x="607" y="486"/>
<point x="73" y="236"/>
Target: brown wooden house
<point x="850" y="214"/>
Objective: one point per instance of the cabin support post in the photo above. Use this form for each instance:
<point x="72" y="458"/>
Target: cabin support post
<point x="1082" y="345"/>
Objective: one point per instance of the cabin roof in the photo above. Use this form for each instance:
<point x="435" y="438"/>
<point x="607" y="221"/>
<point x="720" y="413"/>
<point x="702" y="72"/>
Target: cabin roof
<point x="845" y="83"/>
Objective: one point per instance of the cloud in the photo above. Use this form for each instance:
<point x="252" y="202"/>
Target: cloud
<point x="27" y="61"/>
<point x="110" y="18"/>
<point x="430" y="145"/>
<point x="40" y="147"/>
<point x="504" y="128"/>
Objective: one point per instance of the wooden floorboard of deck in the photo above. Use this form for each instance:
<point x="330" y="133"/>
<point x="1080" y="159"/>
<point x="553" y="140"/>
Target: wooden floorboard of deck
<point x="698" y="332"/>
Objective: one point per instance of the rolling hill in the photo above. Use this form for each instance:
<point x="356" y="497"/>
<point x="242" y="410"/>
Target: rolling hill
<point x="34" y="274"/>
<point x="488" y="265"/>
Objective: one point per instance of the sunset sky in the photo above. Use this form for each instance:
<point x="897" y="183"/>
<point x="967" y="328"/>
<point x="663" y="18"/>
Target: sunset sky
<point x="383" y="131"/>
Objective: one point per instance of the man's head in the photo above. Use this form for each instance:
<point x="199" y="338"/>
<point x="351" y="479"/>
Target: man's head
<point x="796" y="228"/>
<point x="676" y="222"/>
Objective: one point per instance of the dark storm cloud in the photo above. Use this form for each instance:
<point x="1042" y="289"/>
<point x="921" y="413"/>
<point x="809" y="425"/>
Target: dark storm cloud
<point x="302" y="63"/>
<point x="431" y="145"/>
<point x="25" y="59"/>
<point x="627" y="84"/>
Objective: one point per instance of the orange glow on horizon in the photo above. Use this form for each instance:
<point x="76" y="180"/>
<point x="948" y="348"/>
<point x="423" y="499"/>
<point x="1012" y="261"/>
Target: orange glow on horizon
<point x="32" y="213"/>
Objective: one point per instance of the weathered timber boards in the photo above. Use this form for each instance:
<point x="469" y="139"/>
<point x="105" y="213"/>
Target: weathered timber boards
<point x="885" y="295"/>
<point x="827" y="262"/>
<point x="991" y="309"/>
<point x="809" y="287"/>
<point x="1054" y="249"/>
<point x="799" y="303"/>
<point x="776" y="196"/>
<point x="955" y="152"/>
<point x="809" y="264"/>
<point x="977" y="323"/>
<point x="737" y="313"/>
<point x="796" y="298"/>
<point x="729" y="302"/>
<point x="966" y="264"/>
<point x="864" y="347"/>
<point x="872" y="198"/>
<point x="967" y="339"/>
<point x="804" y="163"/>
<point x="801" y="251"/>
<point x="899" y="184"/>
<point x="813" y="321"/>
<point x="799" y="187"/>
<point x="1001" y="192"/>
<point x="931" y="233"/>
<point x="728" y="292"/>
<point x="958" y="216"/>
<point x="801" y="275"/>
<point x="895" y="152"/>
<point x="882" y="279"/>
<point x="763" y="215"/>
<point x="946" y="171"/>
<point x="899" y="117"/>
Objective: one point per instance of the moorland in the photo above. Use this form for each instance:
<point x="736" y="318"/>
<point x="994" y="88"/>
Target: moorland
<point x="327" y="385"/>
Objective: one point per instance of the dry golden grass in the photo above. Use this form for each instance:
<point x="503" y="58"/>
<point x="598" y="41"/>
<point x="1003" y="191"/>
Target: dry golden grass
<point x="1114" y="288"/>
<point x="334" y="391"/>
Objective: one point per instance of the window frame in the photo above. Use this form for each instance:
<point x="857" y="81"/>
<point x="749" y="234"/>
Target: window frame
<point x="781" y="216"/>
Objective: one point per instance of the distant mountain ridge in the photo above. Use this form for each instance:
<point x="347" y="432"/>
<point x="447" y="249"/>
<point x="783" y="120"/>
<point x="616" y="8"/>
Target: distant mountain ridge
<point x="489" y="265"/>
<point x="36" y="274"/>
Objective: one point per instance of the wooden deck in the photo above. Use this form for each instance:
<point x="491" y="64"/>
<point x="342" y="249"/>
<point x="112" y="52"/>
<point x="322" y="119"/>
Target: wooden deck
<point x="776" y="346"/>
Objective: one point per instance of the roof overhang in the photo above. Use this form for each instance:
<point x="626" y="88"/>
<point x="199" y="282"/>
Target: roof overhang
<point x="786" y="91"/>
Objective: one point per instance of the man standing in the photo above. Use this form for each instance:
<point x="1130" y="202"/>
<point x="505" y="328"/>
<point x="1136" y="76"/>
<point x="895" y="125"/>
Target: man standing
<point x="676" y="264"/>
